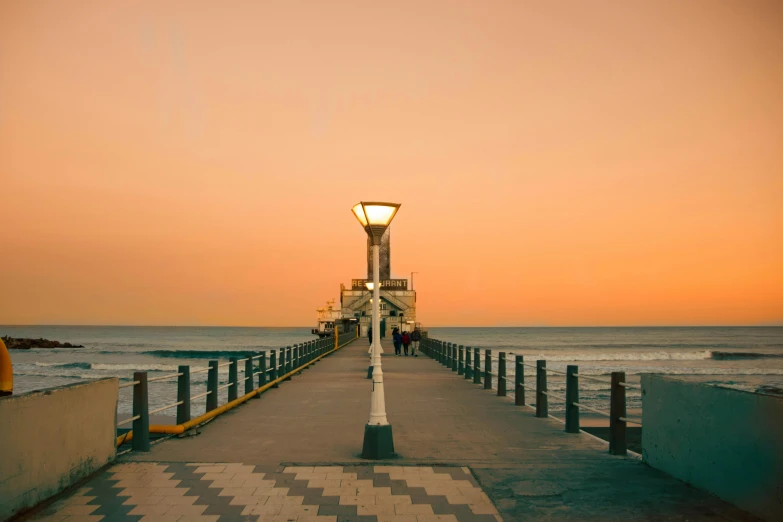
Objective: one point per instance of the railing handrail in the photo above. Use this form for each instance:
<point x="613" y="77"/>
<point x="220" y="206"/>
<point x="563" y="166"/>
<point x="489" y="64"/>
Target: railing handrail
<point x="591" y="378"/>
<point x="166" y="407"/>
<point x="164" y="377"/>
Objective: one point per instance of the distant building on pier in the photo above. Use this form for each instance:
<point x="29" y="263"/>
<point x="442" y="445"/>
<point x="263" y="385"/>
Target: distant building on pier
<point x="398" y="303"/>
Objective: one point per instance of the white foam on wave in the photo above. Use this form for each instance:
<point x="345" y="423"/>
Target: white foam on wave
<point x="626" y="356"/>
<point x="134" y="367"/>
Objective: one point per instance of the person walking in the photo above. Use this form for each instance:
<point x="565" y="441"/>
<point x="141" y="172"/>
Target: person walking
<point x="369" y="334"/>
<point x="415" y="338"/>
<point x="406" y="341"/>
<point x="397" y="339"/>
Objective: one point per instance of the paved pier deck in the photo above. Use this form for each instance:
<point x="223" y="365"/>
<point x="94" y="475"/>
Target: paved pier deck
<point x="293" y="455"/>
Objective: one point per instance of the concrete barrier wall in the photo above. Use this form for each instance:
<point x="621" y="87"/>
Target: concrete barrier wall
<point x="727" y="442"/>
<point x="51" y="439"/>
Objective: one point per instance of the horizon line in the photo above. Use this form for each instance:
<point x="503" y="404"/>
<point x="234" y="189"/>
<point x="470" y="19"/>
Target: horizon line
<point x="757" y="325"/>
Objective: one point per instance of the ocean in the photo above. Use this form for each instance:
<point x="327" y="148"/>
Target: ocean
<point x="746" y="358"/>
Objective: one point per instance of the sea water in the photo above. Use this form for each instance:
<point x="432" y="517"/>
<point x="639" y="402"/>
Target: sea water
<point x="747" y="358"/>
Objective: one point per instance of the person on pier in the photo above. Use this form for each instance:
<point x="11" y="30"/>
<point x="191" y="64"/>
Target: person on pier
<point x="397" y="340"/>
<point x="415" y="338"/>
<point x="406" y="341"/>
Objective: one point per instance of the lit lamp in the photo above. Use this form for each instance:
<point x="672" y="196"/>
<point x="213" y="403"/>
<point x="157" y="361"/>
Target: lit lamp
<point x="378" y="442"/>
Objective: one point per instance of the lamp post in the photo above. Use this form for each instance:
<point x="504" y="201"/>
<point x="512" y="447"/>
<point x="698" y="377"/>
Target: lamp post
<point x="370" y="285"/>
<point x="378" y="442"/>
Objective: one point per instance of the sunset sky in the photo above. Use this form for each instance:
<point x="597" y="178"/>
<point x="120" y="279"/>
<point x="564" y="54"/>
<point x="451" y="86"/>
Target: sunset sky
<point x="558" y="163"/>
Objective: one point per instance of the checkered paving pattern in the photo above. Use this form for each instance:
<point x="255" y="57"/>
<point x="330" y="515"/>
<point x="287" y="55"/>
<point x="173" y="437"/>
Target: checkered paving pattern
<point x="237" y="492"/>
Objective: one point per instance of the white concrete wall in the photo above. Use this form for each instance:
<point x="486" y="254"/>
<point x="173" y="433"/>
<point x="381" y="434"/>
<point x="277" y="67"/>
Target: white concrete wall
<point x="51" y="439"/>
<point x="724" y="441"/>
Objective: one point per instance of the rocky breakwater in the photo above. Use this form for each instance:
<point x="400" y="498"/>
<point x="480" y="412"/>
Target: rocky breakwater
<point x="25" y="344"/>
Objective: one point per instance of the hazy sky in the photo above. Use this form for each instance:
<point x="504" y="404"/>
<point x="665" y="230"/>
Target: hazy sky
<point x="558" y="163"/>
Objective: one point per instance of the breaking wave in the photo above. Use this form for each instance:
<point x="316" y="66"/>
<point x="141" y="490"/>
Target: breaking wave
<point x="659" y="356"/>
<point x="108" y="367"/>
<point x="200" y="354"/>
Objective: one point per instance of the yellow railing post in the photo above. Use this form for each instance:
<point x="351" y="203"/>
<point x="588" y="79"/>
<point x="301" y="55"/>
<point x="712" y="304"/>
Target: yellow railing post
<point x="6" y="371"/>
<point x="336" y="336"/>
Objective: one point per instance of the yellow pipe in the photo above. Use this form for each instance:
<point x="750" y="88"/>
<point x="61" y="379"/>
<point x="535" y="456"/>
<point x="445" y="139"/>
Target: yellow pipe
<point x="181" y="428"/>
<point x="6" y="371"/>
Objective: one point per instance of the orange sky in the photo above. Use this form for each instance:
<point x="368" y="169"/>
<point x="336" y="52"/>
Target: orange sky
<point x="558" y="163"/>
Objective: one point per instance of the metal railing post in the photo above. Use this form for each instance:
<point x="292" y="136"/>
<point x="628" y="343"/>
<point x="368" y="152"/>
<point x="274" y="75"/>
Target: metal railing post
<point x="261" y="370"/>
<point x="248" y="374"/>
<point x="617" y="441"/>
<point x="212" y="386"/>
<point x="233" y="379"/>
<point x="477" y="364"/>
<point x="502" y="374"/>
<point x="296" y="352"/>
<point x="487" y="369"/>
<point x="468" y="369"/>
<point x="461" y="361"/>
<point x="453" y="357"/>
<point x="141" y="426"/>
<point x="447" y="362"/>
<point x="572" y="396"/>
<point x="519" y="380"/>
<point x="287" y="363"/>
<point x="183" y="394"/>
<point x="542" y="404"/>
<point x="273" y="366"/>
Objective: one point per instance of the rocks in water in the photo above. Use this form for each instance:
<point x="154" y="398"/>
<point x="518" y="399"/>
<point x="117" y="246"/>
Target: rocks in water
<point x="769" y="389"/>
<point x="25" y="344"/>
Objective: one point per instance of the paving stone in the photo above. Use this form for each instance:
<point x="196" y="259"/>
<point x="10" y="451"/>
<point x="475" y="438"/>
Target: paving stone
<point x="357" y="518"/>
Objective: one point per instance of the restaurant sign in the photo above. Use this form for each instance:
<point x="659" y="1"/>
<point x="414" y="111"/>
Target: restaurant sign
<point x="386" y="284"/>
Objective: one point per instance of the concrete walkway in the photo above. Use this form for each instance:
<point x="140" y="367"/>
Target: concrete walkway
<point x="444" y="425"/>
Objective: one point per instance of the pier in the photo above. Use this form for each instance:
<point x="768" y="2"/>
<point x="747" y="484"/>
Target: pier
<point x="463" y="454"/>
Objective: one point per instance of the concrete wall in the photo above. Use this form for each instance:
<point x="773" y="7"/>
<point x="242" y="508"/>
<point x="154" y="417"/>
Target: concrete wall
<point x="726" y="442"/>
<point x="51" y="439"/>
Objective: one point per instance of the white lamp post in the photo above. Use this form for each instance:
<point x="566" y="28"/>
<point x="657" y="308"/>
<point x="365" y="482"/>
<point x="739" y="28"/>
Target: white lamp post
<point x="370" y="285"/>
<point x="378" y="442"/>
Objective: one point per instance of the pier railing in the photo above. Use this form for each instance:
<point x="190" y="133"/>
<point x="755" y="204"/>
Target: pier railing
<point x="270" y="370"/>
<point x="466" y="361"/>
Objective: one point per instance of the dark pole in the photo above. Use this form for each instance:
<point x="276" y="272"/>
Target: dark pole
<point x="212" y="386"/>
<point x="141" y="426"/>
<point x="487" y="369"/>
<point x="572" y="396"/>
<point x="519" y="380"/>
<point x="233" y="379"/>
<point x="617" y="442"/>
<point x="542" y="404"/>
<point x="183" y="394"/>
<point x="502" y="374"/>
